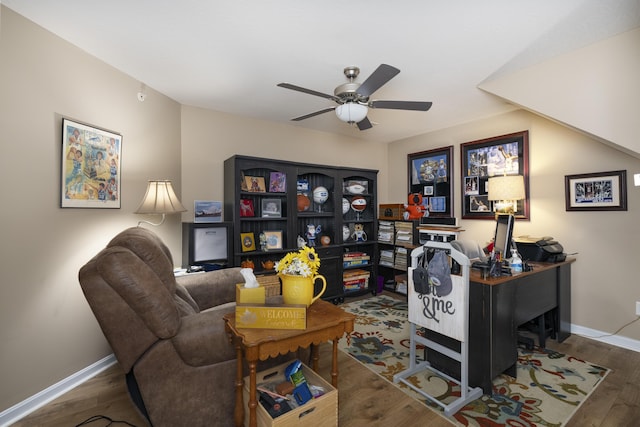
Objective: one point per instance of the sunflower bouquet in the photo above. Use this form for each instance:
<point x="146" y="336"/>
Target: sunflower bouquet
<point x="304" y="262"/>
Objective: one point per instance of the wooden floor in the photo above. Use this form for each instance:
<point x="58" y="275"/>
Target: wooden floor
<point x="366" y="399"/>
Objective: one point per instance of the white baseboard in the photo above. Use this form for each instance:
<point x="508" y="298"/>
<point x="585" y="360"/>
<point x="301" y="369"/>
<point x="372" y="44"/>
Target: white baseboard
<point x="27" y="406"/>
<point x="607" y="338"/>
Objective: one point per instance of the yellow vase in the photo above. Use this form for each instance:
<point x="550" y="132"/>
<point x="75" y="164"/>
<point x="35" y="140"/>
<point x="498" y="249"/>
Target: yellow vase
<point x="299" y="290"/>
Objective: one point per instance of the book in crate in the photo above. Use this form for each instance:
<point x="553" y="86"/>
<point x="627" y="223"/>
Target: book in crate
<point x="271" y="284"/>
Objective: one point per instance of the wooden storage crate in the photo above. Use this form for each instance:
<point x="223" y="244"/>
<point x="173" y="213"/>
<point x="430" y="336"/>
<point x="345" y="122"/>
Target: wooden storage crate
<point x="320" y="412"/>
<point x="271" y="283"/>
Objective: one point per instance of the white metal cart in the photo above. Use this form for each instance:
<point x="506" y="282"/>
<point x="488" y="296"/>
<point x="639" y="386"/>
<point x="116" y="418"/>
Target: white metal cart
<point x="447" y="315"/>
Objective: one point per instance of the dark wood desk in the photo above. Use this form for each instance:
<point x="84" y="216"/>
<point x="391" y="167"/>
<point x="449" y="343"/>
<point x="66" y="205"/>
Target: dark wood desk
<point x="325" y="322"/>
<point x="497" y="306"/>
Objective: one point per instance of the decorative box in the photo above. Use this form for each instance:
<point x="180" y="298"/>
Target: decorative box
<point x="266" y="316"/>
<point x="393" y="211"/>
<point x="249" y="295"/>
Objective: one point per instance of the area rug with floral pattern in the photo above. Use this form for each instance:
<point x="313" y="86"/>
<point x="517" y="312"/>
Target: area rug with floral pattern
<point x="549" y="387"/>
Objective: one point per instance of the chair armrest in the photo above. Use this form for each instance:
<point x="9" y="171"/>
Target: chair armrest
<point x="202" y="339"/>
<point x="213" y="287"/>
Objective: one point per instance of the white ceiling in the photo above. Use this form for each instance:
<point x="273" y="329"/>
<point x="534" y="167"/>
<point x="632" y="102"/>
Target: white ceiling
<point x="228" y="55"/>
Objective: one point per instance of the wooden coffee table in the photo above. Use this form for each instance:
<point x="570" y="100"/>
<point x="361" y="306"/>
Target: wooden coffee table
<point x="325" y="322"/>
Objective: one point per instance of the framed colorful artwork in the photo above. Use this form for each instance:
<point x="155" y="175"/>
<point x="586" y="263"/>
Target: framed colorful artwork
<point x="430" y="175"/>
<point x="246" y="208"/>
<point x="490" y="157"/>
<point x="277" y="182"/>
<point x="90" y="166"/>
<point x="273" y="239"/>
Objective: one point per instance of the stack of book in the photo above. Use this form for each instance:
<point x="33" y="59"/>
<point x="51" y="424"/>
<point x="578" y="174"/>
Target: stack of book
<point x="386" y="257"/>
<point x="404" y="233"/>
<point x="385" y="232"/>
<point x="355" y="280"/>
<point x="400" y="259"/>
<point x="353" y="259"/>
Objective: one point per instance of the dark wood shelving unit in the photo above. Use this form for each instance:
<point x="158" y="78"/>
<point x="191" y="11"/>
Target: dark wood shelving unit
<point x="340" y="226"/>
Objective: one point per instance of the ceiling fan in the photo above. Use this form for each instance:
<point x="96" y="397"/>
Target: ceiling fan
<point x="353" y="98"/>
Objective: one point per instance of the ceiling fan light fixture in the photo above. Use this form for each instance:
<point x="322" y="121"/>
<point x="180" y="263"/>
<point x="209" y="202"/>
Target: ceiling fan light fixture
<point x="351" y="112"/>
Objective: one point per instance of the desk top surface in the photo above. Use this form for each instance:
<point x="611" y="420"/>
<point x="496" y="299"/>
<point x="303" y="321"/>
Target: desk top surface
<point x="538" y="267"/>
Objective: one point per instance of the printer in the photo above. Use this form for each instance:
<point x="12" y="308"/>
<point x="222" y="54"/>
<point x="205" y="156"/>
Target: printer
<point x="539" y="249"/>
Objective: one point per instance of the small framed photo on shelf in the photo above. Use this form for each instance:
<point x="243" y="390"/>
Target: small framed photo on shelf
<point x="246" y="208"/>
<point x="271" y="208"/>
<point x="248" y="242"/>
<point x="207" y="211"/>
<point x="255" y="184"/>
<point x="273" y="239"/>
<point x="601" y="191"/>
<point x="277" y="182"/>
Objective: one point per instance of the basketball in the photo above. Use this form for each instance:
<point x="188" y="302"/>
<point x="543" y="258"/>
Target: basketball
<point x="358" y="204"/>
<point x="320" y="195"/>
<point x="303" y="203"/>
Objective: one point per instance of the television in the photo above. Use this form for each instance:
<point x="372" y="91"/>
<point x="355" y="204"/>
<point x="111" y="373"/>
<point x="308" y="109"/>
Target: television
<point x="503" y="234"/>
<point x="207" y="244"/>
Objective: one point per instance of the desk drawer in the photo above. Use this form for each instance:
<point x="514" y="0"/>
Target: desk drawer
<point x="535" y="295"/>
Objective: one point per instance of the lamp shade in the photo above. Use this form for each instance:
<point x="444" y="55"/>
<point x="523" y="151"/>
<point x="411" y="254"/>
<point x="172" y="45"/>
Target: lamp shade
<point x="508" y="187"/>
<point x="351" y="112"/>
<point x="160" y="199"/>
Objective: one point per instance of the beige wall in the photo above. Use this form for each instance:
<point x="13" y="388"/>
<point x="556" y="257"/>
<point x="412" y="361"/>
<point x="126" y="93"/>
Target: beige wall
<point x="209" y="138"/>
<point x="604" y="277"/>
<point x="46" y="328"/>
<point x="47" y="331"/>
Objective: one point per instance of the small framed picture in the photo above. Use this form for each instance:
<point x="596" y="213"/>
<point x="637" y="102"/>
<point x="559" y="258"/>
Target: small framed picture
<point x="601" y="191"/>
<point x="277" y="182"/>
<point x="273" y="239"/>
<point x="246" y="208"/>
<point x="255" y="184"/>
<point x="207" y="211"/>
<point x="271" y="208"/>
<point x="248" y="242"/>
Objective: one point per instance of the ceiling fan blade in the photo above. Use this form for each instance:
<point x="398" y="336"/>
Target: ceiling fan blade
<point x="364" y="124"/>
<point x="401" y="105"/>
<point x="306" y="116"/>
<point x="375" y="81"/>
<point x="308" y="91"/>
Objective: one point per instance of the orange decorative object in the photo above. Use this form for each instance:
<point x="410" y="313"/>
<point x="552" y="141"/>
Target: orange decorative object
<point x="303" y="203"/>
<point x="247" y="263"/>
<point x="268" y="264"/>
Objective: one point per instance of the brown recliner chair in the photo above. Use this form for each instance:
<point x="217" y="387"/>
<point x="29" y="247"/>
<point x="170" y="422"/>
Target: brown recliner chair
<point x="167" y="333"/>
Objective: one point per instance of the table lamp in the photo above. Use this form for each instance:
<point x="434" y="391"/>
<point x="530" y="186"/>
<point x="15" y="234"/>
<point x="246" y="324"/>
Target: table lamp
<point x="506" y="190"/>
<point x="160" y="199"/>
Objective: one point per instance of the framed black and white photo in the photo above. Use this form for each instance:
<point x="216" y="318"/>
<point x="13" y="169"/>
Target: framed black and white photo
<point x="90" y="166"/>
<point x="271" y="208"/>
<point x="600" y="191"/>
<point x="430" y="175"/>
<point x="492" y="157"/>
